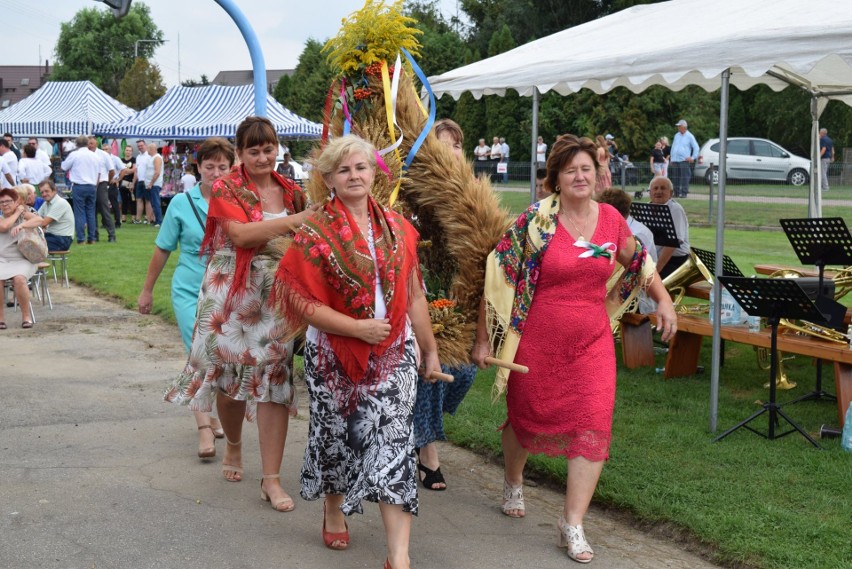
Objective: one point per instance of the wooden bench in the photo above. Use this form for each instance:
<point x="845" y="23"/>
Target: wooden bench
<point x="685" y="348"/>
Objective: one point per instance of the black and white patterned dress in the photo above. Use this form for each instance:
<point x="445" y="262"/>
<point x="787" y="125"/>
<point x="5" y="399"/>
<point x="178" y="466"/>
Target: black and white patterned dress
<point x="369" y="453"/>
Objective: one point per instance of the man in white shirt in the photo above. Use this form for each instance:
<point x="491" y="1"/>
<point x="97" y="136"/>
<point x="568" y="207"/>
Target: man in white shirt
<point x="143" y="195"/>
<point x="58" y="219"/>
<point x="30" y="169"/>
<point x="68" y="147"/>
<point x="107" y="172"/>
<point x="83" y="167"/>
<point x="188" y="181"/>
<point x="154" y="181"/>
<point x="40" y="155"/>
<point x="8" y="166"/>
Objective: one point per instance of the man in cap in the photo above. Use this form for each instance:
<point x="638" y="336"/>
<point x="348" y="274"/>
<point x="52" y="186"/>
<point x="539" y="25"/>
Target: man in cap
<point x="683" y="156"/>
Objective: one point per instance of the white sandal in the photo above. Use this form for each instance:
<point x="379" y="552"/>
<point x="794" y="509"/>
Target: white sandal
<point x="574" y="540"/>
<point x="513" y="500"/>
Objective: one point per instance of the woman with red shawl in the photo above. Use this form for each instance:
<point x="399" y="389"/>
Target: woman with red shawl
<point x="241" y="353"/>
<point x="352" y="275"/>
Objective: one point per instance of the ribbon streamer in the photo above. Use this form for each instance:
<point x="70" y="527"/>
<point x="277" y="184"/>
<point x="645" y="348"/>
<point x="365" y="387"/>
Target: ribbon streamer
<point x="606" y="250"/>
<point x="391" y="91"/>
<point x="347" y="120"/>
<point x="430" y="120"/>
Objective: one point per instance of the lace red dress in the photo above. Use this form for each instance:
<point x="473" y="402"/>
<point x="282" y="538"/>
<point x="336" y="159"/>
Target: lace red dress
<point x="564" y="405"/>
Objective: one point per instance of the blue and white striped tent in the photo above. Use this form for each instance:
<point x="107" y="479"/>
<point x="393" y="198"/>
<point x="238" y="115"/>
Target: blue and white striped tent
<point x="189" y="113"/>
<point x="62" y="109"/>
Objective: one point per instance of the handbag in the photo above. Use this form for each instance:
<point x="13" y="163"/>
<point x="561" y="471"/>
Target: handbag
<point x="32" y="245"/>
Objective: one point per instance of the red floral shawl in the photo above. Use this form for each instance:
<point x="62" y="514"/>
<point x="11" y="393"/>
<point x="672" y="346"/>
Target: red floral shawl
<point x="329" y="263"/>
<point x="235" y="198"/>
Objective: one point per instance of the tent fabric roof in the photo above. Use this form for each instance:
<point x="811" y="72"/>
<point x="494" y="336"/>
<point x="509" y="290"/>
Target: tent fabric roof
<point x="188" y="113"/>
<point x="807" y="42"/>
<point x="62" y="109"/>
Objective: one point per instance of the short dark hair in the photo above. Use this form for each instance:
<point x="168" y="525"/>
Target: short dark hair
<point x="617" y="198"/>
<point x="564" y="150"/>
<point x="213" y="148"/>
<point x="5" y="134"/>
<point x="450" y="126"/>
<point x="47" y="182"/>
<point x="4" y="143"/>
<point x="540" y="173"/>
<point x="254" y="131"/>
<point x="29" y="151"/>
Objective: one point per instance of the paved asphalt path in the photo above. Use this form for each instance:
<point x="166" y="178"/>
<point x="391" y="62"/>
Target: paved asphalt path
<point x="96" y="472"/>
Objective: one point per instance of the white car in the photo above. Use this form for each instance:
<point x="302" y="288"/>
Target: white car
<point x="752" y="159"/>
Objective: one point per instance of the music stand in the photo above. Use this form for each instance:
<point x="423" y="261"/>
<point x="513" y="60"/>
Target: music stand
<point x="729" y="268"/>
<point x="821" y="241"/>
<point x="659" y="220"/>
<point x="773" y="299"/>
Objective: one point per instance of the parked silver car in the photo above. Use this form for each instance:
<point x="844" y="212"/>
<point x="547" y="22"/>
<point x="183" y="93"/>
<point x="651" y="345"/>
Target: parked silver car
<point x="752" y="159"/>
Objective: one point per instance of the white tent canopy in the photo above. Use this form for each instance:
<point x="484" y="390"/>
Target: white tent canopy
<point x="62" y="109"/>
<point x="189" y="113"/>
<point x="678" y="43"/>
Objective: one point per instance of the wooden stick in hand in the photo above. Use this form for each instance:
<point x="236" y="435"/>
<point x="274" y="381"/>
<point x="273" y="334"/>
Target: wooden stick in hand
<point x="441" y="376"/>
<point x="508" y="365"/>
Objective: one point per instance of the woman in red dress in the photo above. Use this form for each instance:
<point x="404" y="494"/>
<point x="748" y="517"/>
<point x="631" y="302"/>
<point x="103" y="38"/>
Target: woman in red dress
<point x="549" y="297"/>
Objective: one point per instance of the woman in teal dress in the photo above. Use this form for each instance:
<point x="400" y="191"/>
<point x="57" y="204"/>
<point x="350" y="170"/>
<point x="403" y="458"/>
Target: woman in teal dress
<point x="183" y="227"/>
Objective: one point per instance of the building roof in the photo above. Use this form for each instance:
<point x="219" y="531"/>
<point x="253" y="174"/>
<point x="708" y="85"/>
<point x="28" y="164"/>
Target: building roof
<point x="17" y="82"/>
<point x="246" y="77"/>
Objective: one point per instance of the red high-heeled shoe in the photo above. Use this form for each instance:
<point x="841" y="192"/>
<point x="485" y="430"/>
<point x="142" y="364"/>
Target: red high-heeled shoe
<point x="387" y="564"/>
<point x="338" y="541"/>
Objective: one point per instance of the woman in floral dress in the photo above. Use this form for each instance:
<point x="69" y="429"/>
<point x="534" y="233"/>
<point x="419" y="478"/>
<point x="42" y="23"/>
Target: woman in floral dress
<point x="351" y="274"/>
<point x="239" y="356"/>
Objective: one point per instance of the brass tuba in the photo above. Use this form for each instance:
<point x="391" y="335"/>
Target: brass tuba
<point x="809" y="328"/>
<point x="689" y="273"/>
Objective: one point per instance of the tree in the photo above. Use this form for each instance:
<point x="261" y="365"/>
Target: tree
<point x="142" y="85"/>
<point x="199" y="83"/>
<point x="97" y="47"/>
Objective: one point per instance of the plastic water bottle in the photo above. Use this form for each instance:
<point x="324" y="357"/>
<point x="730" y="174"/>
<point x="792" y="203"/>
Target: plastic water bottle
<point x="846" y="437"/>
<point x="753" y="323"/>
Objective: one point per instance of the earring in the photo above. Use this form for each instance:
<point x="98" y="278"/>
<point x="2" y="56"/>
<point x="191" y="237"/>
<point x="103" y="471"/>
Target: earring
<point x="558" y="189"/>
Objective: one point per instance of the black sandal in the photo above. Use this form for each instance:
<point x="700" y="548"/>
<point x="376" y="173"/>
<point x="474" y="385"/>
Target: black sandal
<point x="431" y="478"/>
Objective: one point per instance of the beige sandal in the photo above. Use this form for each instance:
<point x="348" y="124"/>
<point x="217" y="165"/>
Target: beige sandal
<point x="288" y="504"/>
<point x="574" y="540"/>
<point x="237" y="469"/>
<point x="206" y="452"/>
<point x="218" y="432"/>
<point x="513" y="500"/>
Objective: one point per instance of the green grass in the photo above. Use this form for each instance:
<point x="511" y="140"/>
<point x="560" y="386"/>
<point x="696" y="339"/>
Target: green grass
<point x="746" y="501"/>
<point x="118" y="269"/>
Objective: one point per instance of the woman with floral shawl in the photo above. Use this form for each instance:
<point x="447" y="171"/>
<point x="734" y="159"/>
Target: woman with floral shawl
<point x="241" y="353"/>
<point x="547" y="307"/>
<point x="352" y="275"/>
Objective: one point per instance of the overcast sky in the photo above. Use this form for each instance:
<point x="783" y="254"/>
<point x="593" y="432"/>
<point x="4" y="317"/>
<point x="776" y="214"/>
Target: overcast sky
<point x="201" y="35"/>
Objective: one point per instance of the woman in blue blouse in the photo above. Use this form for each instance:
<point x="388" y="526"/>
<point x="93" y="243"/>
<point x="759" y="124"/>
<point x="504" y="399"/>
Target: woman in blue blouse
<point x="183" y="226"/>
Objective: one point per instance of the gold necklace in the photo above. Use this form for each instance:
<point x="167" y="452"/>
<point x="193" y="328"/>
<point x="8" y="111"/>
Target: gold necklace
<point x="580" y="231"/>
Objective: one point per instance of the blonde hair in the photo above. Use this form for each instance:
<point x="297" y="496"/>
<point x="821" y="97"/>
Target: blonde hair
<point x="24" y="191"/>
<point x="340" y="149"/>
